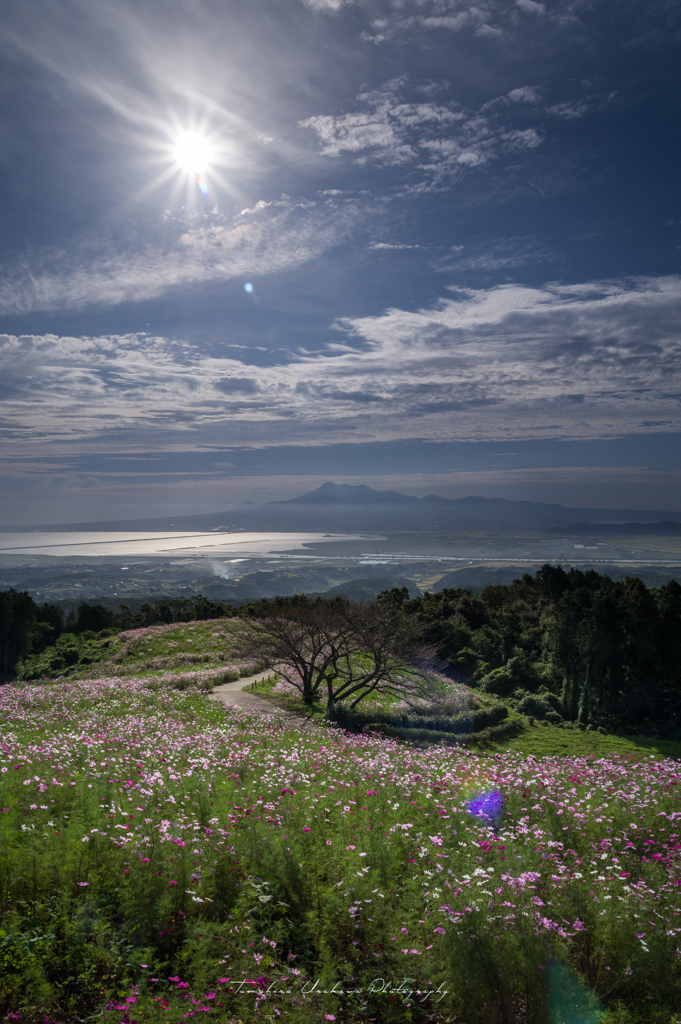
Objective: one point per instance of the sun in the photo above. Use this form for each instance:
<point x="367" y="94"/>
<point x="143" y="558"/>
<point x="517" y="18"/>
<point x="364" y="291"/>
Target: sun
<point x="192" y="157"/>
<point x="193" y="153"/>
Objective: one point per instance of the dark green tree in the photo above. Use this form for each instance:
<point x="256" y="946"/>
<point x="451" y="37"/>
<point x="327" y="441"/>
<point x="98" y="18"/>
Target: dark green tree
<point x="18" y="616"/>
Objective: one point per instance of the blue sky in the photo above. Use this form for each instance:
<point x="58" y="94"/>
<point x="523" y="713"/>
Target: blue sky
<point x="432" y="246"/>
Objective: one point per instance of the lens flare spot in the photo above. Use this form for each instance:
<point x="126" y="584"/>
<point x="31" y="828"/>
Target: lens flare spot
<point x="248" y="287"/>
<point x="488" y="806"/>
<point x="569" y="1001"/>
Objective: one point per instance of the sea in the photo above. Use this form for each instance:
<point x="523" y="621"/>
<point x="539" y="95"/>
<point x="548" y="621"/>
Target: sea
<point x="239" y="544"/>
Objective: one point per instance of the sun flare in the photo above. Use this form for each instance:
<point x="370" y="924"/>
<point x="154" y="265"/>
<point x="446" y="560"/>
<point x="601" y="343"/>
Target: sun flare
<point x="193" y="152"/>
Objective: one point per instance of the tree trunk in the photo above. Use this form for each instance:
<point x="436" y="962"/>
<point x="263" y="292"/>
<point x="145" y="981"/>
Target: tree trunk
<point x="566" y="696"/>
<point x="583" y="714"/>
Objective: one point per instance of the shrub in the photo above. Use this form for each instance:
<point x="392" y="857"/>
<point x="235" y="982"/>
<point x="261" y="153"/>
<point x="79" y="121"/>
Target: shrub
<point x="355" y="720"/>
<point x="498" y="681"/>
<point x="539" y="706"/>
<point x="382" y="728"/>
<point x="412" y="735"/>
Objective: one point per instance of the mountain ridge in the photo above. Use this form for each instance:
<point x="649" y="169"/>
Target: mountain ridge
<point x="352" y="508"/>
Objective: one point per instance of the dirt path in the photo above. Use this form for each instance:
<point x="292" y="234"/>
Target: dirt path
<point x="234" y="694"/>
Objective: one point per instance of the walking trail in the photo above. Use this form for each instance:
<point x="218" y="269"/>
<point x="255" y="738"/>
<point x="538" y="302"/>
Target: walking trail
<point x="234" y="694"/>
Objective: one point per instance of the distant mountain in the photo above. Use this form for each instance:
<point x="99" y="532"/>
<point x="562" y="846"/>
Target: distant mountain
<point x="347" y="508"/>
<point x="351" y="494"/>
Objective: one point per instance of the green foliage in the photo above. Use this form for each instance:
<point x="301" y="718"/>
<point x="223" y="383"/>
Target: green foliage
<point x="426" y="734"/>
<point x="18" y="619"/>
<point x="499" y="681"/>
<point x="610" y="651"/>
<point x="537" y="705"/>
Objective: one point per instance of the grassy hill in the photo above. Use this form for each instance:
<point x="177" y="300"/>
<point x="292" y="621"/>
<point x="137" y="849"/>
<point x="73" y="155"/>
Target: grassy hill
<point x="175" y="648"/>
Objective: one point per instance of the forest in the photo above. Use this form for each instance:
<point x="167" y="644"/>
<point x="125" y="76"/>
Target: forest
<point x="559" y="646"/>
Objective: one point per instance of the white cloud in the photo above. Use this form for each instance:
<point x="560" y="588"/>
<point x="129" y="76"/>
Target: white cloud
<point x="447" y="15"/>
<point x="525" y="94"/>
<point x="592" y="360"/>
<point x="387" y="245"/>
<point x="569" y="109"/>
<point x="270" y="237"/>
<point x="497" y="254"/>
<point x="528" y="138"/>
<point x="326" y="5"/>
<point x="439" y="138"/>
<point x="492" y="19"/>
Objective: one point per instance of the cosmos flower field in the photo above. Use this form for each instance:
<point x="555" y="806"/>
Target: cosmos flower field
<point x="164" y="856"/>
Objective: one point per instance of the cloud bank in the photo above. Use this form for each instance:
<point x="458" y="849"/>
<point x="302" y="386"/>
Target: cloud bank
<point x="594" y="360"/>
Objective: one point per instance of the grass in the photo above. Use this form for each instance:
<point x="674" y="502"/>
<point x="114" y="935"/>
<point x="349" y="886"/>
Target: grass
<point x="550" y="740"/>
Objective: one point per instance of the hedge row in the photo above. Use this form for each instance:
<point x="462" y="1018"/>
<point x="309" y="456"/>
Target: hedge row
<point x="493" y="732"/>
<point x="355" y="720"/>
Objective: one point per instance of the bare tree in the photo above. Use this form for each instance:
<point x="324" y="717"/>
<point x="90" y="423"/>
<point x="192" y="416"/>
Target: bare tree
<point x="336" y="647"/>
